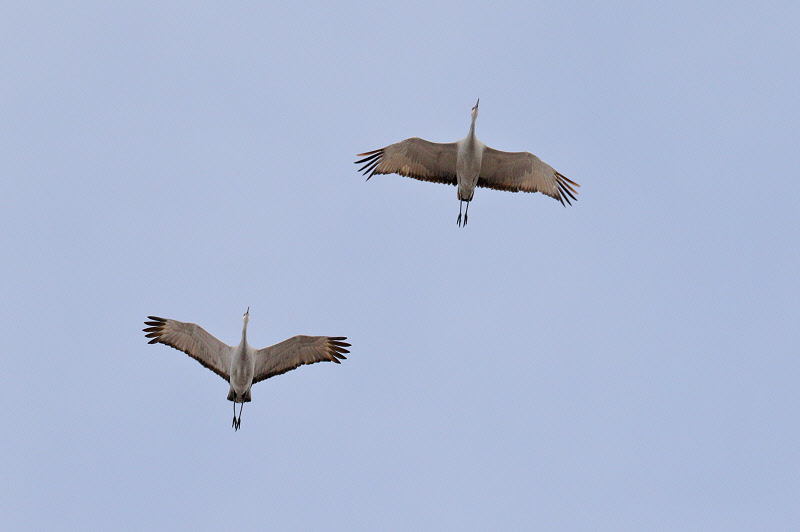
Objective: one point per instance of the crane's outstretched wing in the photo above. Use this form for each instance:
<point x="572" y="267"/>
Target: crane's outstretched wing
<point x="192" y="340"/>
<point x="414" y="157"/>
<point x="297" y="351"/>
<point x="523" y="171"/>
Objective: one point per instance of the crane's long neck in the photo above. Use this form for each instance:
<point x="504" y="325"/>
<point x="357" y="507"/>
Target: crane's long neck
<point x="471" y="138"/>
<point x="244" y="333"/>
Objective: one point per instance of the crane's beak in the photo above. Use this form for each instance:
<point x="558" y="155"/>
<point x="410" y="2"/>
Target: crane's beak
<point x="476" y="105"/>
<point x="248" y="310"/>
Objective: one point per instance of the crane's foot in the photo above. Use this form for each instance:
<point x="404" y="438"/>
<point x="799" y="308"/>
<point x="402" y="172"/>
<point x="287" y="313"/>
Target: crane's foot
<point x="235" y="425"/>
<point x="458" y="220"/>
<point x="465" y="220"/>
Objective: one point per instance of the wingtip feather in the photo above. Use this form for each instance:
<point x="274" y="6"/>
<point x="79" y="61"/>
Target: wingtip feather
<point x="369" y="152"/>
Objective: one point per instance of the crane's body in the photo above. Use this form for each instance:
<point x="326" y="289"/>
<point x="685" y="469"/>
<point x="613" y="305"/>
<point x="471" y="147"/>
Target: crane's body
<point x="468" y="163"/>
<point x="469" y="157"/>
<point x="242" y="366"/>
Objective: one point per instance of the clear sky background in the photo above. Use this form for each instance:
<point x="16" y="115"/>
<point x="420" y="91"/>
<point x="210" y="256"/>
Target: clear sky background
<point x="630" y="362"/>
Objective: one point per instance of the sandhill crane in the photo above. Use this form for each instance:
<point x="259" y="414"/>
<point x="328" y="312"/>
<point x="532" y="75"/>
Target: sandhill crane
<point x="242" y="366"/>
<point x="467" y="163"/>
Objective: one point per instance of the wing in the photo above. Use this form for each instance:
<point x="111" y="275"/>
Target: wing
<point x="192" y="340"/>
<point x="526" y="172"/>
<point x="297" y="351"/>
<point x="414" y="157"/>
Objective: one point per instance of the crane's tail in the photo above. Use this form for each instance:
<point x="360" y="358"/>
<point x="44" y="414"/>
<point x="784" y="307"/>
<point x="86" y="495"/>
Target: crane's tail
<point x="244" y="399"/>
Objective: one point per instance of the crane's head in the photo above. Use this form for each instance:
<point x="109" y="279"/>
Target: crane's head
<point x="475" y="110"/>
<point x="246" y="316"/>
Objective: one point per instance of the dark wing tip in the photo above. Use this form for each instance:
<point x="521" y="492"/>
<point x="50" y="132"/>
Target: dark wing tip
<point x="371" y="163"/>
<point x="339" y="344"/>
<point x="336" y="344"/>
<point x="337" y="348"/>
<point x="565" y="190"/>
<point x="568" y="180"/>
<point x="154" y="329"/>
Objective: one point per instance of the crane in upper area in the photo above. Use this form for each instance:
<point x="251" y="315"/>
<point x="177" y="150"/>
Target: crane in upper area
<point x="242" y="366"/>
<point x="468" y="163"/>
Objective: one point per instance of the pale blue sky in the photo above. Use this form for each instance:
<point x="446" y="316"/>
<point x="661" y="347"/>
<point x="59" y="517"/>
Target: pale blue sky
<point x="630" y="362"/>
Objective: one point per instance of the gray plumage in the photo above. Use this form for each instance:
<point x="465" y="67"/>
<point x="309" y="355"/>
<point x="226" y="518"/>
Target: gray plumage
<point x="468" y="163"/>
<point x="242" y="366"/>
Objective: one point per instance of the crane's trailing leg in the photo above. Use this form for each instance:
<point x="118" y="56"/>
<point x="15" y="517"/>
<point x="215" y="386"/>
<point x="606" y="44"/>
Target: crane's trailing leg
<point x="458" y="220"/>
<point x="466" y="213"/>
<point x="237" y="422"/>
